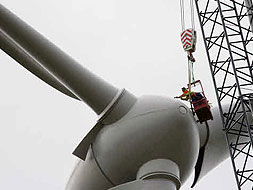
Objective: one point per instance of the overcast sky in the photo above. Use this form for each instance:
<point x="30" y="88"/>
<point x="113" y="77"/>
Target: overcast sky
<point x="133" y="44"/>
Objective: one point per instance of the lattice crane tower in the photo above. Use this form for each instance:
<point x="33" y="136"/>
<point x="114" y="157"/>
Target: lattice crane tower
<point x="227" y="31"/>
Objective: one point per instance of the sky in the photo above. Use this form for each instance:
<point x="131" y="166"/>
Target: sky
<point x="132" y="44"/>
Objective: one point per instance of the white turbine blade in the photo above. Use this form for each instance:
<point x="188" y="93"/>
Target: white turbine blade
<point x="32" y="65"/>
<point x="85" y="85"/>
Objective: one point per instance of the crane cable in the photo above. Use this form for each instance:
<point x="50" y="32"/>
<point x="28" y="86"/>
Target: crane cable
<point x="190" y="61"/>
<point x="183" y="14"/>
<point x="191" y="77"/>
<point x="193" y="27"/>
<point x="192" y="14"/>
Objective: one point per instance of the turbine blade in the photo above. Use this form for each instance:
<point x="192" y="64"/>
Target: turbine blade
<point x="27" y="61"/>
<point x="86" y="86"/>
<point x="198" y="166"/>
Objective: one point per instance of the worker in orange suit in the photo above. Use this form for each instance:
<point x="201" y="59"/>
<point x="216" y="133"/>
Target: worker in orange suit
<point x="185" y="95"/>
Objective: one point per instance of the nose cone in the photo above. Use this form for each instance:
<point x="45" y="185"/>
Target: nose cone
<point x="155" y="127"/>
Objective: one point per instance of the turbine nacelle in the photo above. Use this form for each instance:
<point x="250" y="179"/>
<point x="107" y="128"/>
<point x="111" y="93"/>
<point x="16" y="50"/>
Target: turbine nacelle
<point x="154" y="128"/>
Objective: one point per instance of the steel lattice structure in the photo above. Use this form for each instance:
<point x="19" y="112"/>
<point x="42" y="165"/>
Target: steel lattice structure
<point x="228" y="39"/>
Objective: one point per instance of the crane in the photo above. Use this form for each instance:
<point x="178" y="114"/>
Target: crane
<point x="226" y="27"/>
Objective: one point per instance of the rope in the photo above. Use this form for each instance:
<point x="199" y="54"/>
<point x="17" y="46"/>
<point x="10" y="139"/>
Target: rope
<point x="193" y="78"/>
<point x="182" y="14"/>
<point x="189" y="76"/>
<point x="190" y="62"/>
<point x="192" y="14"/>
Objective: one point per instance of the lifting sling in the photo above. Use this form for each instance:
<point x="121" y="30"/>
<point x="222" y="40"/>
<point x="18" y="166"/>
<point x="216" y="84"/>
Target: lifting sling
<point x="188" y="38"/>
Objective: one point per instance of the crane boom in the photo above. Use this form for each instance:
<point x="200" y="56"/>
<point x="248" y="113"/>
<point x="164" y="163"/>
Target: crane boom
<point x="228" y="40"/>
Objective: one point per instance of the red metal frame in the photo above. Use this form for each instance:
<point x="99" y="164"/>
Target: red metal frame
<point x="201" y="107"/>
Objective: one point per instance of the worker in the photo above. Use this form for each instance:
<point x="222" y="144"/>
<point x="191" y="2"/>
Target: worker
<point x="185" y="95"/>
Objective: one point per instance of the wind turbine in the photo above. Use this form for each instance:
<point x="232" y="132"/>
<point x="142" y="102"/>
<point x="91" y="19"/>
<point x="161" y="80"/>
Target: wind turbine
<point x="118" y="108"/>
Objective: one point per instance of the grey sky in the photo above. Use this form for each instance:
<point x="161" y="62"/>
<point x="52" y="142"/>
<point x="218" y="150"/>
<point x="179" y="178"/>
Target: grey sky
<point x="133" y="44"/>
